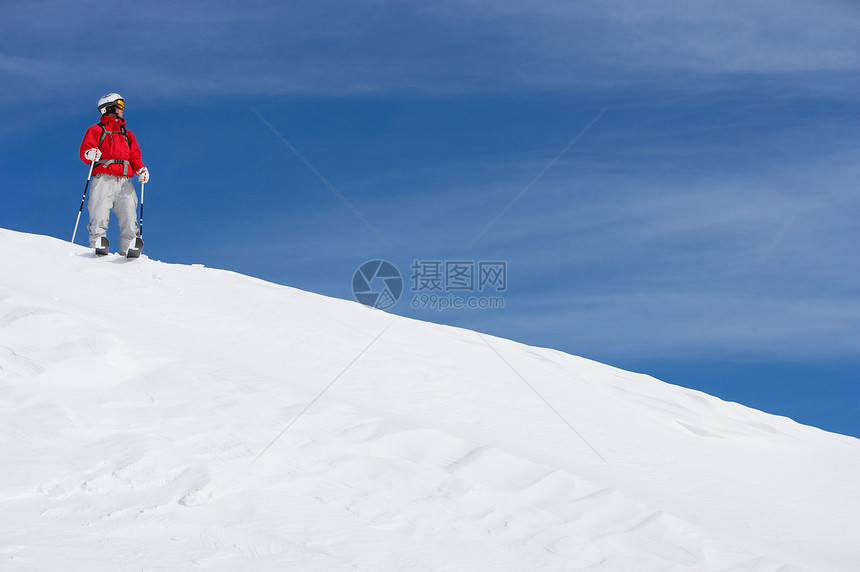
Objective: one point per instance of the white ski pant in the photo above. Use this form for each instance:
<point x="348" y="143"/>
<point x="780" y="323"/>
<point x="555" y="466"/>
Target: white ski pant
<point x="112" y="193"/>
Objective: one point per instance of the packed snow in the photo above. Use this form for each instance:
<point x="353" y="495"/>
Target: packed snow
<point x="157" y="416"/>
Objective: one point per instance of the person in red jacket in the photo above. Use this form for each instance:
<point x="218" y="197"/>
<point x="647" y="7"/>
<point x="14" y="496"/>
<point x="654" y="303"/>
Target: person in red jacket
<point x="116" y="156"/>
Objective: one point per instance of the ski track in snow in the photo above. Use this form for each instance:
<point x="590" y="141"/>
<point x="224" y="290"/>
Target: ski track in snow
<point x="136" y="399"/>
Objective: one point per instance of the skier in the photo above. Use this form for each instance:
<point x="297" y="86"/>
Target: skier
<point x="116" y="154"/>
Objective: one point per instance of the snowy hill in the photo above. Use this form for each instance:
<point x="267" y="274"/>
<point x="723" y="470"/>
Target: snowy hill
<point x="166" y="417"/>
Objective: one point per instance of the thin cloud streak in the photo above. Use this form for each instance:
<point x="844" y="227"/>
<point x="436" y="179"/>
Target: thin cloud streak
<point x="211" y="49"/>
<point x="661" y="324"/>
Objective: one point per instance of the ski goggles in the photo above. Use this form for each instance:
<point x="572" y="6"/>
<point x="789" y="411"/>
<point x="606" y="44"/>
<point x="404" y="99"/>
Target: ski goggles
<point x="119" y="103"/>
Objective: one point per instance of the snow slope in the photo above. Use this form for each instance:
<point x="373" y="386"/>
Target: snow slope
<point x="166" y="417"/>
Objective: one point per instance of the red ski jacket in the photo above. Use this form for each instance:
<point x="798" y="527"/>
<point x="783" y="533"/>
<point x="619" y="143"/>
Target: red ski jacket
<point x="120" y="154"/>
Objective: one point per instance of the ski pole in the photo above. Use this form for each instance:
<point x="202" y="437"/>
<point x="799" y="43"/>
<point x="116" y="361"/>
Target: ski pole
<point x="83" y="200"/>
<point x="140" y="226"/>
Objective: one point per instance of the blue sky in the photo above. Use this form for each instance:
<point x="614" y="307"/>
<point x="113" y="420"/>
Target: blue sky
<point x="677" y="181"/>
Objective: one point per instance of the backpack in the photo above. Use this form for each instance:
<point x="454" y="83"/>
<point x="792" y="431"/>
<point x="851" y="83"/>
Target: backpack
<point x="122" y="131"/>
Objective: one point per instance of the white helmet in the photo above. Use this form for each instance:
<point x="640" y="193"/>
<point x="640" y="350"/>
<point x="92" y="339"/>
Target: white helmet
<point x="109" y="100"/>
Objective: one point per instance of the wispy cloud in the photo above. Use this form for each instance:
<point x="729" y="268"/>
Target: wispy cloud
<point x="262" y="48"/>
<point x="692" y="324"/>
<point x="733" y="36"/>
